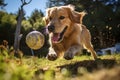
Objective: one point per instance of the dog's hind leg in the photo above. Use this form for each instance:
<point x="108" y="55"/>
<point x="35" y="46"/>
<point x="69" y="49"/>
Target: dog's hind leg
<point x="90" y="49"/>
<point x="86" y="40"/>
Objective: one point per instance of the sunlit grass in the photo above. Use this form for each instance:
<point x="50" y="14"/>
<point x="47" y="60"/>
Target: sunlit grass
<point x="34" y="68"/>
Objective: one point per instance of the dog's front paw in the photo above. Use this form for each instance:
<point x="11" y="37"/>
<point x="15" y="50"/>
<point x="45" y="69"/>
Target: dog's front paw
<point x="68" y="55"/>
<point x="52" y="57"/>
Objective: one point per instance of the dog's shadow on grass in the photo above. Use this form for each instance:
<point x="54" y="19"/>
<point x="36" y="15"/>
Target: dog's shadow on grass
<point x="89" y="65"/>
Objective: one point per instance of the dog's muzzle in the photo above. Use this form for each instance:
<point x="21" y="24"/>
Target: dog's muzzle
<point x="51" y="28"/>
<point x="58" y="37"/>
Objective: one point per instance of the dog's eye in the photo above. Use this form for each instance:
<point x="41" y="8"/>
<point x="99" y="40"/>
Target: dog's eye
<point x="61" y="17"/>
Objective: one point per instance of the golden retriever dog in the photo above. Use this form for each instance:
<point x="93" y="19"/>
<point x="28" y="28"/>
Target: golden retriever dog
<point x="67" y="34"/>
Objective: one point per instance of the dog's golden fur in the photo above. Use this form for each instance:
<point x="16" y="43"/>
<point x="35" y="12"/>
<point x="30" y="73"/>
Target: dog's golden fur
<point x="75" y="36"/>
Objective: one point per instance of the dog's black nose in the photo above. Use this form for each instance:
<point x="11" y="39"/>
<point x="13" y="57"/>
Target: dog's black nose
<point x="51" y="28"/>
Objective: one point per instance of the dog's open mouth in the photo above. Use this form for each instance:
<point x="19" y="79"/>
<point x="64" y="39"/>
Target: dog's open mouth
<point x="57" y="37"/>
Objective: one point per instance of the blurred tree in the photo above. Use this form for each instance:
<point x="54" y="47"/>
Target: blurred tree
<point x="18" y="36"/>
<point x="26" y="25"/>
<point x="36" y="18"/>
<point x="115" y="4"/>
<point x="51" y="3"/>
<point x="2" y="4"/>
<point x="7" y="27"/>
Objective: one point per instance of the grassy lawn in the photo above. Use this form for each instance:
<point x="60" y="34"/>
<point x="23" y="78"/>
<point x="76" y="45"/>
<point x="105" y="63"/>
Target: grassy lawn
<point x="79" y="68"/>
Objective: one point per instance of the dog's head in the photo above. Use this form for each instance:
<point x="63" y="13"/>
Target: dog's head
<point x="59" y="21"/>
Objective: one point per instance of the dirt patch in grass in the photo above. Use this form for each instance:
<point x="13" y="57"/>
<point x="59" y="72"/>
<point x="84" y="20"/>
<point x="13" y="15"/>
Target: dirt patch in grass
<point x="84" y="70"/>
<point x="89" y="65"/>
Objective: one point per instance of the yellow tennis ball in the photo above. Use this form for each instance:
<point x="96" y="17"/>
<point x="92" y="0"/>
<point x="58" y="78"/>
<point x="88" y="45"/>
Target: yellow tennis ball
<point x="35" y="40"/>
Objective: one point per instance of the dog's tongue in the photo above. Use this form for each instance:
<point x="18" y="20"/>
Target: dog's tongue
<point x="55" y="37"/>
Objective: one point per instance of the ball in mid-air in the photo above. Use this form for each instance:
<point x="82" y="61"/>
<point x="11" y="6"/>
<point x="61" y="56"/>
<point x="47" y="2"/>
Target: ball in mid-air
<point x="35" y="40"/>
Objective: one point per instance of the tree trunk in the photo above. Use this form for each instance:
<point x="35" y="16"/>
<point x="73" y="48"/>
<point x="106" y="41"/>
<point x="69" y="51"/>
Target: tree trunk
<point x="18" y="27"/>
<point x="17" y="32"/>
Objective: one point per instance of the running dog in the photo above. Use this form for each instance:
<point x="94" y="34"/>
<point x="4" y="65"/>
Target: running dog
<point x="67" y="34"/>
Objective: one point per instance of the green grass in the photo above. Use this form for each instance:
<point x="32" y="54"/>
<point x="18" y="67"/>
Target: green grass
<point x="33" y="68"/>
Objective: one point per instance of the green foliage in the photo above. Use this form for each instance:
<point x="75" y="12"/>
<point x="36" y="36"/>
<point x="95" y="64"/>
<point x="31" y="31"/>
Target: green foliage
<point x="10" y="19"/>
<point x="7" y="26"/>
<point x="26" y="25"/>
<point x="36" y="19"/>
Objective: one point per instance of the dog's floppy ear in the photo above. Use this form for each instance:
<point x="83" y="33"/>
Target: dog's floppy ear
<point x="46" y="18"/>
<point x="75" y="16"/>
